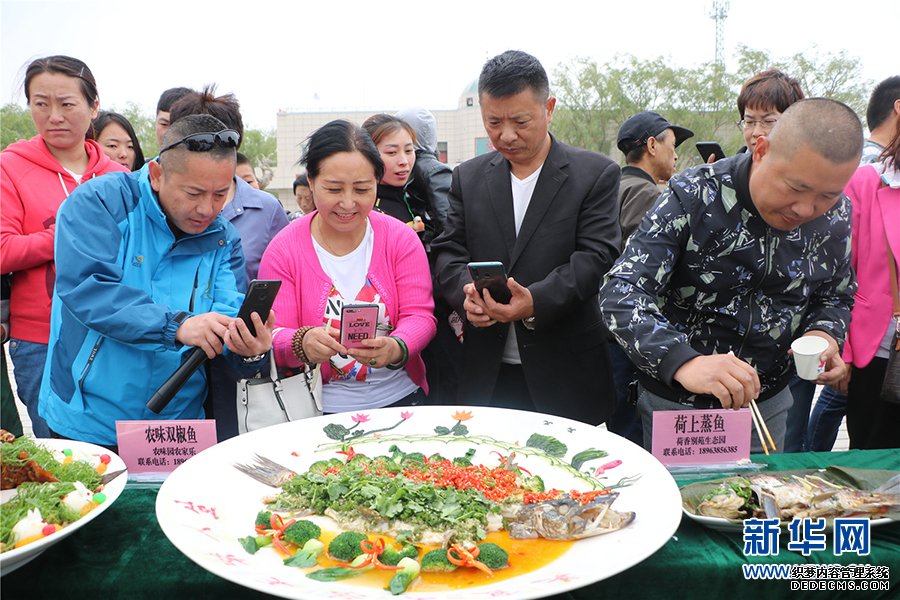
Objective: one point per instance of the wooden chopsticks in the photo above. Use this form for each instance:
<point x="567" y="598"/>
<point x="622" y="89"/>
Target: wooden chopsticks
<point x="760" y="425"/>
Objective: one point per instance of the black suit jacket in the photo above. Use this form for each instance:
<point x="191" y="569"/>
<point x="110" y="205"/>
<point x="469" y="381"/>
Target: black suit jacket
<point x="568" y="240"/>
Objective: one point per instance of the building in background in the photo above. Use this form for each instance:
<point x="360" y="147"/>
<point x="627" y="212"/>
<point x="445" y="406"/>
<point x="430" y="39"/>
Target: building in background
<point x="461" y="136"/>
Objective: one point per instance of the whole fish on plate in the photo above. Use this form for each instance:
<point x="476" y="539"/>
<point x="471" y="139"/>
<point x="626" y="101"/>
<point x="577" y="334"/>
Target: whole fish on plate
<point x="789" y="496"/>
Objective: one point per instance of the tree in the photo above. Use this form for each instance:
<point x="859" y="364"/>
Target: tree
<point x="16" y="125"/>
<point x="144" y="128"/>
<point x="260" y="147"/>
<point x="595" y="100"/>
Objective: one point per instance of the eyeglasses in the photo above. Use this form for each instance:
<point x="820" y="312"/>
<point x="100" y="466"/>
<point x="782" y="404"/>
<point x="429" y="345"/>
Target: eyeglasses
<point x="204" y="142"/>
<point x="766" y="124"/>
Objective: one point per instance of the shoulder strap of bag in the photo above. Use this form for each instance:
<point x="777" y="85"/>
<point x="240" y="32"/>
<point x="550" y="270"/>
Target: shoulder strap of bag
<point x="309" y="376"/>
<point x="313" y="377"/>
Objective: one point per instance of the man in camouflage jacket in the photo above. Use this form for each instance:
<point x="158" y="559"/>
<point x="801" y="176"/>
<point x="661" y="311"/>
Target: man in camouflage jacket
<point x="737" y="260"/>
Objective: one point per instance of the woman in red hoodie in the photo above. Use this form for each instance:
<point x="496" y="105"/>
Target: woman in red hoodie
<point x="36" y="175"/>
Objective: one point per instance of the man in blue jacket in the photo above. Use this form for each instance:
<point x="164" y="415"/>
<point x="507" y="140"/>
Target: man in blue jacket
<point x="735" y="261"/>
<point x="146" y="269"/>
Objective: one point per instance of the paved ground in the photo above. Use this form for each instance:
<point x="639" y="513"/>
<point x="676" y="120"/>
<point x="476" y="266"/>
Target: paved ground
<point x="842" y="442"/>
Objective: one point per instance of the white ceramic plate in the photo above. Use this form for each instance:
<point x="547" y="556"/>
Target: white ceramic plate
<point x="206" y="505"/>
<point x="729" y="526"/>
<point x="733" y="525"/>
<point x="12" y="560"/>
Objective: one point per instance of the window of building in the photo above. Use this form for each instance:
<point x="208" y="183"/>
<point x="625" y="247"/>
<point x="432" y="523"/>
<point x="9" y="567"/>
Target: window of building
<point x="442" y="151"/>
<point x="482" y="146"/>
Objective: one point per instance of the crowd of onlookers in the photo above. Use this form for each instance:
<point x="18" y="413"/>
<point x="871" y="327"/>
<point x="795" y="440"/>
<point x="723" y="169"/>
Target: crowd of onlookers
<point x="616" y="291"/>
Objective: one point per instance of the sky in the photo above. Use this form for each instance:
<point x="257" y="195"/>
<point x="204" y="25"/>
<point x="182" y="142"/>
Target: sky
<point x="339" y="54"/>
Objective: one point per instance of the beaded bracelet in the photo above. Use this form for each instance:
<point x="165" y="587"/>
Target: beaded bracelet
<point x="403" y="359"/>
<point x="297" y="345"/>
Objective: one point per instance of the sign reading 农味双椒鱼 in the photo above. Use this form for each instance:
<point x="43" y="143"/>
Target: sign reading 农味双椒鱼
<point x="159" y="447"/>
<point x="694" y="437"/>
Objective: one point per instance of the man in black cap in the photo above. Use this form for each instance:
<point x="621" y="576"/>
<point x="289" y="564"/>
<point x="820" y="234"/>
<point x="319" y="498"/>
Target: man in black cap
<point x="648" y="142"/>
<point x="735" y="261"/>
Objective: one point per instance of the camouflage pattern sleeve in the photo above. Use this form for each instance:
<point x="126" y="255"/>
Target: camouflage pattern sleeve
<point x="633" y="294"/>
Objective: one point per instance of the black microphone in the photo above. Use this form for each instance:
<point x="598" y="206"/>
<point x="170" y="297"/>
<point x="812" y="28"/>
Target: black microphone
<point x="161" y="398"/>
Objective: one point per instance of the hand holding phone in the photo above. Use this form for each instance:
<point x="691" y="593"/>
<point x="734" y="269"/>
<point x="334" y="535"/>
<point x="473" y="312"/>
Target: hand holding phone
<point x="259" y="299"/>
<point x="491" y="276"/>
<point x="358" y="323"/>
<point x="707" y="149"/>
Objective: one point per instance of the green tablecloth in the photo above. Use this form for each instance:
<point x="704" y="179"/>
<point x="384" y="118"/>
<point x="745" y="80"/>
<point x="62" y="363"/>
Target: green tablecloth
<point x="124" y="554"/>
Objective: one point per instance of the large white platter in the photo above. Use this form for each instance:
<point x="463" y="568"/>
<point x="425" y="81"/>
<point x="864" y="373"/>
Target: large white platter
<point x="12" y="560"/>
<point x="206" y="505"/>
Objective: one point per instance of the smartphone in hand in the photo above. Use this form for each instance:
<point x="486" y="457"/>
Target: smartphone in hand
<point x="259" y="299"/>
<point x="491" y="276"/>
<point x="358" y="323"/>
<point x="707" y="149"/>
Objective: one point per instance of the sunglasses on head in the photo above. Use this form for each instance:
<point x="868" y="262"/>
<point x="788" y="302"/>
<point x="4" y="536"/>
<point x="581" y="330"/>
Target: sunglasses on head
<point x="204" y="142"/>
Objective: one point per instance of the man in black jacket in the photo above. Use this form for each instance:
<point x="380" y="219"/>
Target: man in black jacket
<point x="549" y="213"/>
<point x="734" y="262"/>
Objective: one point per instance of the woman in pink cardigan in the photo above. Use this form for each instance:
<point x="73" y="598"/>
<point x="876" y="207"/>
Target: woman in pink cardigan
<point x="345" y="253"/>
<point x="874" y="191"/>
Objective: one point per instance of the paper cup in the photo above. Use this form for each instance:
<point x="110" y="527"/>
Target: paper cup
<point x="807" y="350"/>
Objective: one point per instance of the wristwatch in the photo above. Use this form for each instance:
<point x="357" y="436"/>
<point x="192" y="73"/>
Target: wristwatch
<point x="257" y="358"/>
<point x="528" y="322"/>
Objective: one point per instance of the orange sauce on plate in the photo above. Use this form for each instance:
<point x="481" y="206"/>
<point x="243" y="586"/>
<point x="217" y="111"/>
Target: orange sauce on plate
<point x="524" y="556"/>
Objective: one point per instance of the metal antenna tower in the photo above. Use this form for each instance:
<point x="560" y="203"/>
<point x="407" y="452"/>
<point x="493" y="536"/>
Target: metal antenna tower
<point x="719" y="14"/>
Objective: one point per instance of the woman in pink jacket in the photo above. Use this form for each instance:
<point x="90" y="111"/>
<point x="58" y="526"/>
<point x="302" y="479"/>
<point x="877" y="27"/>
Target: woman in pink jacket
<point x="345" y="253"/>
<point x="36" y="175"/>
<point x="875" y="193"/>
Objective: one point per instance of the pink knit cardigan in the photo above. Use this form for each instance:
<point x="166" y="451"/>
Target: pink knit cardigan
<point x="398" y="270"/>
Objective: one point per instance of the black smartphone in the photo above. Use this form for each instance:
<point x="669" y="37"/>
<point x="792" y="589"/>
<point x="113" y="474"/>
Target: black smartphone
<point x="707" y="149"/>
<point x="490" y="275"/>
<point x="259" y="299"/>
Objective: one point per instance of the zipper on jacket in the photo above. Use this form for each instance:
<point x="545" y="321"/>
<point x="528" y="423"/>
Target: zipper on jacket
<point x="194" y="291"/>
<point x="90" y="361"/>
<point x="756" y="288"/>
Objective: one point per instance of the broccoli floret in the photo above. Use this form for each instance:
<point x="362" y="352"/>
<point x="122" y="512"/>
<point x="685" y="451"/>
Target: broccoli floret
<point x="436" y="458"/>
<point x="436" y="561"/>
<point x="493" y="556"/>
<point x="320" y="466"/>
<point x="300" y="532"/>
<point x="409" y="570"/>
<point x="263" y="519"/>
<point x="533" y="484"/>
<point x="391" y="556"/>
<point x="345" y="546"/>
<point x="413" y="459"/>
<point x="359" y="459"/>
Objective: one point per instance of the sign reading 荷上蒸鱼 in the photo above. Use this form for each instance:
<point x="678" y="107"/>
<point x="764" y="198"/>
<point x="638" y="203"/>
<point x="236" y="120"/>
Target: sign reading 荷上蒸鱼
<point x="700" y="436"/>
<point x="159" y="447"/>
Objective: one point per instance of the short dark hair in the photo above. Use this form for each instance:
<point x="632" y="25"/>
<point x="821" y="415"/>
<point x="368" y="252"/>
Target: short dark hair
<point x="105" y="118"/>
<point x="243" y="159"/>
<point x="189" y="125"/>
<point x="881" y="102"/>
<point x="382" y="124"/>
<point x="636" y="154"/>
<point x="335" y="137"/>
<point x="170" y="97"/>
<point x="831" y="128"/>
<point x="302" y="180"/>
<point x="64" y="65"/>
<point x="771" y="89"/>
<point x="509" y="73"/>
<point x="225" y="108"/>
